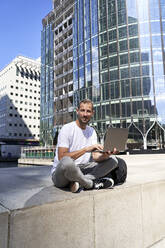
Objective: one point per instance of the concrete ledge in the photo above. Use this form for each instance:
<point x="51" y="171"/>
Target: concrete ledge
<point x="4" y="217"/>
<point x="130" y="215"/>
<point x="22" y="162"/>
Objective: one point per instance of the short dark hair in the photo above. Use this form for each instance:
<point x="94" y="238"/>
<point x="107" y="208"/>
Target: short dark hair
<point x="85" y="101"/>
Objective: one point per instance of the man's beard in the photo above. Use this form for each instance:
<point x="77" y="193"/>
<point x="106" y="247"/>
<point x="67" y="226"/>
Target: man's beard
<point x="84" y="121"/>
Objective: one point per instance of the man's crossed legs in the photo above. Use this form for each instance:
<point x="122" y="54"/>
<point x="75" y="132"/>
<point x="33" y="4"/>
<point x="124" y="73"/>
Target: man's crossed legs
<point x="85" y="175"/>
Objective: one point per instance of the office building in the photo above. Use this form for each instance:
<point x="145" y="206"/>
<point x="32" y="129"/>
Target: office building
<point x="56" y="70"/>
<point x="20" y="101"/>
<point x="119" y="63"/>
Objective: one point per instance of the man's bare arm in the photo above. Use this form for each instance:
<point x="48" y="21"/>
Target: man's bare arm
<point x="63" y="151"/>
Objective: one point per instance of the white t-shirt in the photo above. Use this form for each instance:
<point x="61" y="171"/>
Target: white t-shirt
<point x="73" y="137"/>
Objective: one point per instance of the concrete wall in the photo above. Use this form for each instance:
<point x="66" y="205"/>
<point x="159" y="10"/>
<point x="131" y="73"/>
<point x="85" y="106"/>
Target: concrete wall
<point x="124" y="217"/>
<point x="34" y="161"/>
<point x="4" y="216"/>
<point x="11" y="151"/>
<point x="129" y="216"/>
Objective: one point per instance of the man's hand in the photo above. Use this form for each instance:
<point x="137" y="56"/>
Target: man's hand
<point x="94" y="147"/>
<point x="101" y="156"/>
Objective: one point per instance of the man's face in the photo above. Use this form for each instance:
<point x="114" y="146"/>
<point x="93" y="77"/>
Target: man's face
<point x="84" y="113"/>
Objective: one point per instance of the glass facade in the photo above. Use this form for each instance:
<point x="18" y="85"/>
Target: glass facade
<point x="47" y="84"/>
<point x="119" y="63"/>
<point x="56" y="70"/>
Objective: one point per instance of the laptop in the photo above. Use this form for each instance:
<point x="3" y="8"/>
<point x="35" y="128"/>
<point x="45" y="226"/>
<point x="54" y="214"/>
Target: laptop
<point x="115" y="138"/>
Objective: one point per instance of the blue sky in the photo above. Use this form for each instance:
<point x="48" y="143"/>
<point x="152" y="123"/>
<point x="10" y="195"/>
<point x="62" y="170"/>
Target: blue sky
<point x="20" y="28"/>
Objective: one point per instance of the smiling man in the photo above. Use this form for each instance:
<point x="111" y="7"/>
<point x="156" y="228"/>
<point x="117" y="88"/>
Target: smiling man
<point x="76" y="163"/>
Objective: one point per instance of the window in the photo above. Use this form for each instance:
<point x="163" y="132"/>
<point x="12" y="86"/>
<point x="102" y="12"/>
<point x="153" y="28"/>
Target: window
<point x="114" y="75"/>
<point x="113" y="48"/>
<point x="134" y="57"/>
<point x="124" y="59"/>
<point x="112" y="35"/>
<point x="133" y="30"/>
<point x="133" y="43"/>
<point x="122" y="32"/>
<point x="113" y="61"/>
<point x="122" y="17"/>
<point x="103" y="38"/>
<point x="124" y="73"/>
<point x="104" y="51"/>
<point x="104" y="64"/>
<point x="123" y="45"/>
<point x="135" y="71"/>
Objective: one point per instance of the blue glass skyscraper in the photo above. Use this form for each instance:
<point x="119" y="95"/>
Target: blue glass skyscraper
<point x="113" y="52"/>
<point x="118" y="51"/>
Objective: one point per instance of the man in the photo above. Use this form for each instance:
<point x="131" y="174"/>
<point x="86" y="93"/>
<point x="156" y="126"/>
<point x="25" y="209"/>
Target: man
<point x="76" y="163"/>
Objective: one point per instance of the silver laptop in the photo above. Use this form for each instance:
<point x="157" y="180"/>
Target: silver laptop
<point x="115" y="138"/>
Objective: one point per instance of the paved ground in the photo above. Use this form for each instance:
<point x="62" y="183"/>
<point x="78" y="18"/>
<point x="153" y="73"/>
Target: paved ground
<point x="26" y="187"/>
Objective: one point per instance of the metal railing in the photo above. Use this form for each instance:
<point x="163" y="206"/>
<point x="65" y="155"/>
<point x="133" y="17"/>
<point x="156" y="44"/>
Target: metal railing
<point x="38" y="152"/>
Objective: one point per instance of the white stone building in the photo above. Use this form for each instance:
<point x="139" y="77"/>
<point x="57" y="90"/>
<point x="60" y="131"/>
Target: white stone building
<point x="20" y="100"/>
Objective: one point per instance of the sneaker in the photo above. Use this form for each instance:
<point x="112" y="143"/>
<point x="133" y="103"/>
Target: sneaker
<point x="74" y="187"/>
<point x="104" y="183"/>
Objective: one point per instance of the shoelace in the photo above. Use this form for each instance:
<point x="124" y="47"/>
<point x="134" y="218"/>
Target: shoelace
<point x="99" y="185"/>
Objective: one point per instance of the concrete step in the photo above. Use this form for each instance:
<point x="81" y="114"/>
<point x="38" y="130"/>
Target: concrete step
<point x="34" y="213"/>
